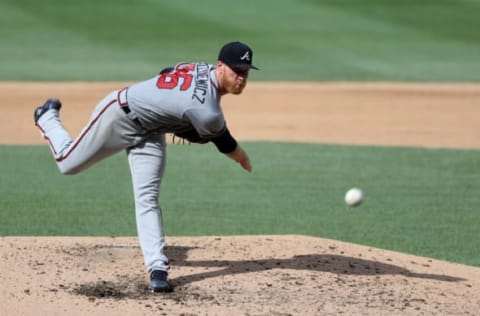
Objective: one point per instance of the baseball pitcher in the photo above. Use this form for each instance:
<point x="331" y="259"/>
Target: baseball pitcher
<point x="183" y="100"/>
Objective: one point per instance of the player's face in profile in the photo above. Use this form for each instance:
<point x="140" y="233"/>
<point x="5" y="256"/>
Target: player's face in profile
<point x="233" y="80"/>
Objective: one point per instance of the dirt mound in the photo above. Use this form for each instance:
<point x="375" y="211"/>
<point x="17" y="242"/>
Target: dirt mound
<point x="250" y="275"/>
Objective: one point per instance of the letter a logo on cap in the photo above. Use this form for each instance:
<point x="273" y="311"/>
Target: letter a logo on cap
<point x="236" y="54"/>
<point x="245" y="56"/>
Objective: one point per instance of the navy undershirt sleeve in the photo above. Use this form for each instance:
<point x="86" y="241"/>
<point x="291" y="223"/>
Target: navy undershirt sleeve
<point x="225" y="142"/>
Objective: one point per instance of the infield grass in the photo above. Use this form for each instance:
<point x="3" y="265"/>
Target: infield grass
<point x="420" y="201"/>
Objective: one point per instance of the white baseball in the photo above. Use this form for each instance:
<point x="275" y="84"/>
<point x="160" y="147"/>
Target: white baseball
<point x="354" y="197"/>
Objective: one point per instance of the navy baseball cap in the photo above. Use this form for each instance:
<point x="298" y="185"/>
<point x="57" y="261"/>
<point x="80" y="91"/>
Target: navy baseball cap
<point x="237" y="55"/>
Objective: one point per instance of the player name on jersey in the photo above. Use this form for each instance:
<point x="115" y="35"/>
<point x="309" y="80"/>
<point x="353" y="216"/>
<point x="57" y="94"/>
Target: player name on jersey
<point x="201" y="82"/>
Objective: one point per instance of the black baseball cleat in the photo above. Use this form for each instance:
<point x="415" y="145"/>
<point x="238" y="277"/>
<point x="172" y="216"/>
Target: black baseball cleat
<point x="50" y="104"/>
<point x="159" y="282"/>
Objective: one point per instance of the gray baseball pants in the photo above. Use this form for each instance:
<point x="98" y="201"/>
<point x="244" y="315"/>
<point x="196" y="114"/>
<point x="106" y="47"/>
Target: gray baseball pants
<point x="110" y="130"/>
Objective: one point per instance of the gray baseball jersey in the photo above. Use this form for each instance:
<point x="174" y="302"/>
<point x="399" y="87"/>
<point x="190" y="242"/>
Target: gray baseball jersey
<point x="178" y="100"/>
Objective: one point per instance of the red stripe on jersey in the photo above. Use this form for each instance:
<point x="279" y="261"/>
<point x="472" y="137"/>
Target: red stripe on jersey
<point x="47" y="139"/>
<point x="85" y="131"/>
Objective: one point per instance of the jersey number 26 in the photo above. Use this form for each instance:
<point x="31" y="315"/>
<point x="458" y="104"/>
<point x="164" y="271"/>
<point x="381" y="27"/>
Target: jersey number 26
<point x="170" y="80"/>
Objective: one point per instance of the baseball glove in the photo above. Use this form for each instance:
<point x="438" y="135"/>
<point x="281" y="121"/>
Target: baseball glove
<point x="191" y="136"/>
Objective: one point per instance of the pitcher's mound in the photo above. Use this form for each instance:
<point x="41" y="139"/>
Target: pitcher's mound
<point x="249" y="275"/>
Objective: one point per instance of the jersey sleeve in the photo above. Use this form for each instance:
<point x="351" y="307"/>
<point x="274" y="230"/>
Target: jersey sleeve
<point x="207" y="124"/>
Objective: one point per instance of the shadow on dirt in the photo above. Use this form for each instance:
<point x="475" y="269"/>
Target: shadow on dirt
<point x="315" y="262"/>
<point x="134" y="286"/>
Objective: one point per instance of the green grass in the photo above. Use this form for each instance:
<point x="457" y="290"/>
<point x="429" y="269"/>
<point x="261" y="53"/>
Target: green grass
<point x="318" y="40"/>
<point x="420" y="201"/>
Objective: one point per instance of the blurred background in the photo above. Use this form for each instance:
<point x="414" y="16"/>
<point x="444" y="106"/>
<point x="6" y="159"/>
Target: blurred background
<point x="302" y="40"/>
